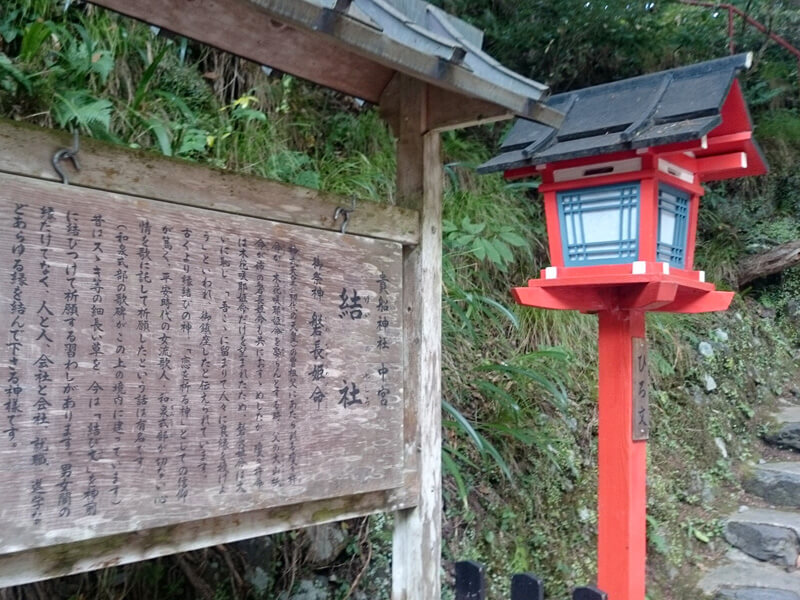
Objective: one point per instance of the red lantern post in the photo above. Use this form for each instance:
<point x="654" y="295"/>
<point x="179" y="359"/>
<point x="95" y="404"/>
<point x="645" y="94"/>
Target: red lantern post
<point x="621" y="181"/>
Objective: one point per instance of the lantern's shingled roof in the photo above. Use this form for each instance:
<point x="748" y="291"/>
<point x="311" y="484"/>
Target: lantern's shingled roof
<point x="421" y="40"/>
<point x="678" y="105"/>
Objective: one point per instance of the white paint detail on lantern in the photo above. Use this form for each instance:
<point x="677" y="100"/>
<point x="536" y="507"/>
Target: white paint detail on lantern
<point x="639" y="267"/>
<point x="642" y="150"/>
<point x="676" y="171"/>
<point x="701" y="275"/>
<point x="598" y="169"/>
<point x="704" y="142"/>
<point x="551" y="272"/>
<point x="665" y="268"/>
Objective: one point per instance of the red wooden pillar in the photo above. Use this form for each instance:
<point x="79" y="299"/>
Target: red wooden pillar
<point x="622" y="462"/>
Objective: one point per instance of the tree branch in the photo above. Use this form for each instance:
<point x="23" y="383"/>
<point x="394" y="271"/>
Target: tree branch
<point x="770" y="262"/>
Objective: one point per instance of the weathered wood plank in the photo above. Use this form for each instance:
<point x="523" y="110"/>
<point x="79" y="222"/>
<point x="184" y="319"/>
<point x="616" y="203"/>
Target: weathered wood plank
<point x="448" y="110"/>
<point x="28" y="150"/>
<point x="171" y="364"/>
<point x="242" y="28"/>
<point x="99" y="553"/>
<point x="417" y="538"/>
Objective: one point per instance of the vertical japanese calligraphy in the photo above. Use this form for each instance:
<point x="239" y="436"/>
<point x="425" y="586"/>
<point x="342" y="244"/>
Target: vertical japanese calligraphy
<point x="641" y="397"/>
<point x="121" y="357"/>
<point x="94" y="450"/>
<point x="165" y="364"/>
<point x="144" y="280"/>
<point x="186" y="367"/>
<point x="16" y="305"/>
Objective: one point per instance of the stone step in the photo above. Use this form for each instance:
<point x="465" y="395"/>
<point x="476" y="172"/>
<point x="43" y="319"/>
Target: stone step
<point x="777" y="483"/>
<point x="769" y="535"/>
<point x="755" y="594"/>
<point x="784" y="430"/>
<point x="748" y="579"/>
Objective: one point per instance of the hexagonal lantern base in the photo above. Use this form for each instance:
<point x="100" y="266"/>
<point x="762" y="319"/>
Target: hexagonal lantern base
<point x="639" y="286"/>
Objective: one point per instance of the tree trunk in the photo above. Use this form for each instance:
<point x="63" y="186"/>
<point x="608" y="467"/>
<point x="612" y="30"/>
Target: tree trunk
<point x="770" y="262"/>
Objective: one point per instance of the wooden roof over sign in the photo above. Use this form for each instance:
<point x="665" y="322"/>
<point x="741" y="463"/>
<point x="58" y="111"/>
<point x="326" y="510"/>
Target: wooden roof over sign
<point x="355" y="46"/>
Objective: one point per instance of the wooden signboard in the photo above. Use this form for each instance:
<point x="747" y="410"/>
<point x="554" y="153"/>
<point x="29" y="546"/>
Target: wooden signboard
<point x="165" y="364"/>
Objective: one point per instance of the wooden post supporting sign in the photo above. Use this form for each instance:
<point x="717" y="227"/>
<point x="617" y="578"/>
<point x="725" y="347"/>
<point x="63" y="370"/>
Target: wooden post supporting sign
<point x="417" y="538"/>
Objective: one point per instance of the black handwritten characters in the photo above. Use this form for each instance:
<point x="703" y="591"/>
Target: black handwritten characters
<point x="350" y="306"/>
<point x="641" y="404"/>
<point x="163" y="362"/>
<point x="317" y="327"/>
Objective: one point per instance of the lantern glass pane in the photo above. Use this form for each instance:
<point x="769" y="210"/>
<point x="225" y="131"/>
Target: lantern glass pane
<point x="673" y="225"/>
<point x="600" y="225"/>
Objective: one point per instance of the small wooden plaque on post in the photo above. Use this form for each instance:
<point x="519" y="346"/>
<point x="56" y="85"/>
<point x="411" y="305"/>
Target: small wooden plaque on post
<point x="641" y="399"/>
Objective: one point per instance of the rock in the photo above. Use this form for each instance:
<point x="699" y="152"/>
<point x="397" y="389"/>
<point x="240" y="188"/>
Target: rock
<point x="793" y="309"/>
<point x="721" y="335"/>
<point x="308" y="590"/>
<point x="777" y="483"/>
<point x="766" y="312"/>
<point x="326" y="543"/>
<point x="741" y="577"/>
<point x="260" y="555"/>
<point x="769" y="535"/>
<point x="723" y="449"/>
<point x="785" y="429"/>
<point x="707" y="494"/>
<point x="755" y="594"/>
<point x="585" y="515"/>
<point x="709" y="382"/>
<point x="698" y="397"/>
<point x="705" y="349"/>
<point x="259" y="579"/>
<point x="259" y="551"/>
<point x="699" y="486"/>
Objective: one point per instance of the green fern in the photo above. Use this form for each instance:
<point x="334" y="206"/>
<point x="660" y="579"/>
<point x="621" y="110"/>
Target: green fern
<point x="81" y="109"/>
<point x="11" y="77"/>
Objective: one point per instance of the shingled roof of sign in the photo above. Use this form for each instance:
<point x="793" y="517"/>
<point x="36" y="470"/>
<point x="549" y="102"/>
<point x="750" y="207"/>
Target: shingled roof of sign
<point x="422" y="40"/>
<point x="678" y="105"/>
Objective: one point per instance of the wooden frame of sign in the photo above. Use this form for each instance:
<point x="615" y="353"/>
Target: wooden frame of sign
<point x="202" y="373"/>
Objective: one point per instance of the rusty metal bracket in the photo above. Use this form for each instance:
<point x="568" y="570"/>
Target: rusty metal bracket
<point x="345" y="213"/>
<point x="67" y="153"/>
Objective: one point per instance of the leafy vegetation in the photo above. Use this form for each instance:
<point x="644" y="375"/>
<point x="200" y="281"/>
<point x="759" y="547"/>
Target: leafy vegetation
<point x="519" y="385"/>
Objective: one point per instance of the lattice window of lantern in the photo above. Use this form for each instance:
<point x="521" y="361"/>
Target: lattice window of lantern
<point x="600" y="225"/>
<point x="673" y="226"/>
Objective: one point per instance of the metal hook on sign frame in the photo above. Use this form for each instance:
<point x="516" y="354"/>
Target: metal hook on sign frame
<point x="67" y="153"/>
<point x="345" y="212"/>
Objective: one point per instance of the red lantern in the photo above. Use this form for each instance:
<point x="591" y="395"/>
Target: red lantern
<point x="621" y="181"/>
